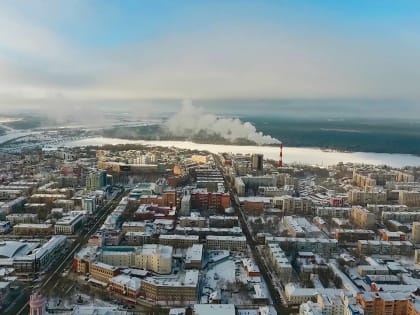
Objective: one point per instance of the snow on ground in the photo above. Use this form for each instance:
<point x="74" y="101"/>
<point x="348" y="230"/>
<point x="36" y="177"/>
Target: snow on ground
<point x="219" y="274"/>
<point x="54" y="302"/>
<point x="215" y="256"/>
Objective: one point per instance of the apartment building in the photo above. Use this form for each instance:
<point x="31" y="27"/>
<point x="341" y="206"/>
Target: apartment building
<point x="233" y="243"/>
<point x="300" y="227"/>
<point x="382" y="303"/>
<point x="402" y="217"/>
<point x="193" y="221"/>
<point x="33" y="229"/>
<point x="353" y="235"/>
<point x="253" y="207"/>
<point x="221" y="221"/>
<point x="409" y="198"/>
<point x="363" y="180"/>
<point x="316" y="245"/>
<point x="379" y="209"/>
<point x="102" y="272"/>
<point x="133" y="226"/>
<point x="362" y="198"/>
<point x="239" y="186"/>
<point x="125" y="285"/>
<point x="293" y="205"/>
<point x="404" y="177"/>
<point x="202" y="199"/>
<point x="16" y="218"/>
<point x="386" y="235"/>
<point x="179" y="241"/>
<point x="404" y="248"/>
<point x="362" y="218"/>
<point x="138" y="238"/>
<point x="183" y="289"/>
<point x="365" y="270"/>
<point x="153" y="257"/>
<point x="279" y="262"/>
<point x="333" y="212"/>
<point x="68" y="224"/>
<point x="416" y="233"/>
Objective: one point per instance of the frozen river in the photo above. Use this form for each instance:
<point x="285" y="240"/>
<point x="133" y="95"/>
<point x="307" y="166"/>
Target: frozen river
<point x="311" y="156"/>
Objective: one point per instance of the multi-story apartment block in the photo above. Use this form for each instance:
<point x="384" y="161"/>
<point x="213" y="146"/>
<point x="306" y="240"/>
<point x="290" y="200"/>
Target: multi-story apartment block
<point x="409" y="198"/>
<point x="358" y="197"/>
<point x="184" y="288"/>
<point x="362" y="218"/>
<point x="233" y="243"/>
<point x="404" y="248"/>
<point x="153" y="257"/>
<point x="16" y="218"/>
<point x="68" y="224"/>
<point x="333" y="212"/>
<point x="33" y="229"/>
<point x="293" y="205"/>
<point x="279" y="262"/>
<point x="353" y="235"/>
<point x="125" y="285"/>
<point x="179" y="241"/>
<point x="103" y="272"/>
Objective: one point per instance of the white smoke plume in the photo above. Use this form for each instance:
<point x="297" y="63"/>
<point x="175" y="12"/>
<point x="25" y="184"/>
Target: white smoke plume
<point x="190" y="121"/>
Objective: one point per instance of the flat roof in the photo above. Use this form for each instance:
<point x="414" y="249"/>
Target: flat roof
<point x="211" y="309"/>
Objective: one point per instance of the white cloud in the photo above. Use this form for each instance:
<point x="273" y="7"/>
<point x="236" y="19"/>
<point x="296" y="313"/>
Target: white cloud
<point x="245" y="61"/>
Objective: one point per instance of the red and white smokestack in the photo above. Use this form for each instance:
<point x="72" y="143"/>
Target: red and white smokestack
<point x="281" y="155"/>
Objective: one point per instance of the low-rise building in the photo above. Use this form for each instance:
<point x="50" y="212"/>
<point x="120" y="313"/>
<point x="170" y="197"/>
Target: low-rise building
<point x="5" y="227"/>
<point x="251" y="268"/>
<point x="194" y="256"/>
<point x="222" y="309"/>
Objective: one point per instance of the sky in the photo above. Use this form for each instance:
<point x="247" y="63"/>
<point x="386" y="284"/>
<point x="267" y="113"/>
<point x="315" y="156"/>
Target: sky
<point x="54" y="51"/>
